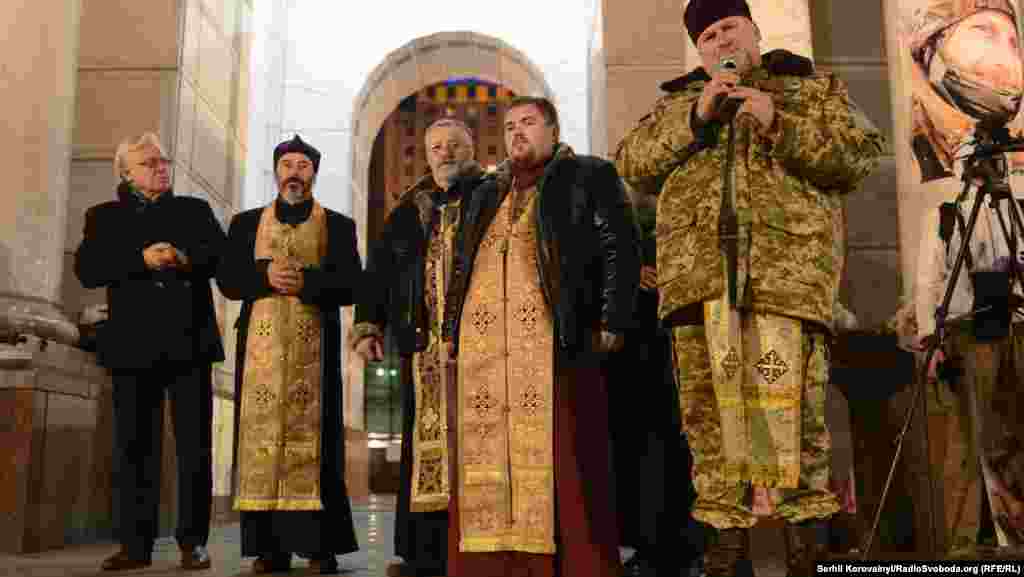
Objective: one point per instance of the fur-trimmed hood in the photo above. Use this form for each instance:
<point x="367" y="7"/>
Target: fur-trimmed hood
<point x="425" y="193"/>
<point x="777" y="62"/>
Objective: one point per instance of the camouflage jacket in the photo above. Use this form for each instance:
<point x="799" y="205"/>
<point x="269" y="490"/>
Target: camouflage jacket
<point x="787" y="188"/>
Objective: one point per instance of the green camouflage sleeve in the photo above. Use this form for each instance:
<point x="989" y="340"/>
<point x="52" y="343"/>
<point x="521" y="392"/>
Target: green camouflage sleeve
<point x="832" y="144"/>
<point x="656" y="146"/>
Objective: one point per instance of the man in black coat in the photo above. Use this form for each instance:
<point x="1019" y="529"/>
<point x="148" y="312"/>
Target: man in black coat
<point x="155" y="253"/>
<point x="293" y="264"/>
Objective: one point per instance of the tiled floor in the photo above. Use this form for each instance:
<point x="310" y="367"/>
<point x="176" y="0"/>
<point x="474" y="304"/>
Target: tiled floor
<point x="374" y="525"/>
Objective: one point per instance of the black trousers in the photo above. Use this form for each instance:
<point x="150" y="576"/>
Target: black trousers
<point x="652" y="459"/>
<point x="138" y="436"/>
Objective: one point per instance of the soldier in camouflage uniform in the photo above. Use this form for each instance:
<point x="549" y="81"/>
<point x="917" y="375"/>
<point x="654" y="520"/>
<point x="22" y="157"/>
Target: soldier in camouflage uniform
<point x="408" y="268"/>
<point x="750" y="311"/>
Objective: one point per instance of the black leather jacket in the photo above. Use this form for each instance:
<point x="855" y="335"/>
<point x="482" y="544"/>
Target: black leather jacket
<point x="587" y="249"/>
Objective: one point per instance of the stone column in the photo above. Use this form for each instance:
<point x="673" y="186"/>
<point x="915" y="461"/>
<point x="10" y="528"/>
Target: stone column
<point x="39" y="47"/>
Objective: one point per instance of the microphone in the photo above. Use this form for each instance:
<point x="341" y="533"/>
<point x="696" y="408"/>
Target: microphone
<point x="726" y="108"/>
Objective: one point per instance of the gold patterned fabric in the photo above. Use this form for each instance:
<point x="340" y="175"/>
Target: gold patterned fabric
<point x="429" y="439"/>
<point x="757" y="371"/>
<point x="279" y="434"/>
<point x="724" y="500"/>
<point x="505" y="392"/>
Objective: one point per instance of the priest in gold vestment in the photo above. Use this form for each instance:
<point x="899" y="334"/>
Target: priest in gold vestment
<point x="544" y="280"/>
<point x="293" y="264"/>
<point x="408" y="267"/>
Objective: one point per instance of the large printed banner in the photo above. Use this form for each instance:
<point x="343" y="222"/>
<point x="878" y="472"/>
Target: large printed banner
<point x="960" y="66"/>
<point x="959" y="72"/>
<point x="963" y="62"/>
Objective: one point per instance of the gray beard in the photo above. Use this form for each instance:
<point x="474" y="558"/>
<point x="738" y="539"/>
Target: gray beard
<point x="293" y="196"/>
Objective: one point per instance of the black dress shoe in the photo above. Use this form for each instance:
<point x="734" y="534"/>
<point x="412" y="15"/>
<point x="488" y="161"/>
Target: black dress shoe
<point x="324" y="565"/>
<point x="277" y="563"/>
<point x="195" y="558"/>
<point x="637" y="566"/>
<point x="122" y="561"/>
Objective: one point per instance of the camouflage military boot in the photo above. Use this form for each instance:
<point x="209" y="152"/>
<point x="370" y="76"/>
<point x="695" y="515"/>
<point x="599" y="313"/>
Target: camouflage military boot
<point x="806" y="544"/>
<point x="728" y="554"/>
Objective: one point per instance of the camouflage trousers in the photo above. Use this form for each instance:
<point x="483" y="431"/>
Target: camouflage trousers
<point x="723" y="501"/>
<point x="996" y="372"/>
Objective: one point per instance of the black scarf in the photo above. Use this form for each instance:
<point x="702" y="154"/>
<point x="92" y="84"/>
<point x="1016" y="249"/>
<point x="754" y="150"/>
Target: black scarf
<point x="293" y="214"/>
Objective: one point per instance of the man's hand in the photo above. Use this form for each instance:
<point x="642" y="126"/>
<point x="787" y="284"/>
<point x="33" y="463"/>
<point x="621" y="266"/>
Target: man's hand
<point x="648" y="278"/>
<point x="721" y="84"/>
<point x="285" y="277"/>
<point x="609" y="342"/>
<point x="95" y="314"/>
<point x="757" y="104"/>
<point x="371" y="348"/>
<point x="939" y="357"/>
<point x="159" y="255"/>
<point x="181" y="260"/>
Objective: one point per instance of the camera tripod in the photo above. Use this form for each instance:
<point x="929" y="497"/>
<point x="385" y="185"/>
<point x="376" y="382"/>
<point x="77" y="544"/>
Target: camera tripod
<point x="985" y="165"/>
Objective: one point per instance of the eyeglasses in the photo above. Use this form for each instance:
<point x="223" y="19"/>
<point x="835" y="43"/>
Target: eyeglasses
<point x="154" y="163"/>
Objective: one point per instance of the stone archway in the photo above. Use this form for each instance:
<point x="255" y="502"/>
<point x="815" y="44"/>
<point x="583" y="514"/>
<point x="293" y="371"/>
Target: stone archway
<point x="424" y="61"/>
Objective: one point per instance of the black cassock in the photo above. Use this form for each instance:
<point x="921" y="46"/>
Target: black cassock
<point x="651" y="457"/>
<point x="395" y="270"/>
<point x="241" y="277"/>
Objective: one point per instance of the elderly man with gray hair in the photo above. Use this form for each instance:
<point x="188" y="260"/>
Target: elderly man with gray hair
<point x="155" y="254"/>
<point x="408" y="268"/>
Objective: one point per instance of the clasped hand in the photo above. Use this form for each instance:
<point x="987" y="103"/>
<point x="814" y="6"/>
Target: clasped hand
<point x="371" y="348"/>
<point x="756" y="104"/>
<point x="286" y="276"/>
<point x="162" y="255"/>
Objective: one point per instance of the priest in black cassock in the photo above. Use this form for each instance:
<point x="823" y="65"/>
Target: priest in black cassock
<point x="652" y="461"/>
<point x="293" y="264"/>
<point x="408" y="267"/>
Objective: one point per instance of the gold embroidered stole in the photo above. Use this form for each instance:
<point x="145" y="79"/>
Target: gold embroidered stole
<point x="279" y="436"/>
<point x="757" y="370"/>
<point x="430" y="379"/>
<point x="505" y="393"/>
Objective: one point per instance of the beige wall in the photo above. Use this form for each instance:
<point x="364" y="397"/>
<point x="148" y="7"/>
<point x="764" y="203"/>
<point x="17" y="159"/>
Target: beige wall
<point x="849" y="39"/>
<point x="642" y="45"/>
<point x="210" y="157"/>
